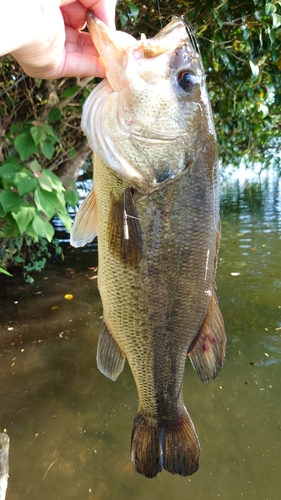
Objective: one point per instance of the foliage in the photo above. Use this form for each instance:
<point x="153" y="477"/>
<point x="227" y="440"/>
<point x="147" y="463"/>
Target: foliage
<point x="29" y="198"/>
<point x="42" y="148"/>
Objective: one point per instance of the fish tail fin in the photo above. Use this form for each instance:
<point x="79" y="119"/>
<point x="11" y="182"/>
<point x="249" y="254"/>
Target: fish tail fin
<point x="181" y="450"/>
<point x="172" y="444"/>
<point x="145" y="446"/>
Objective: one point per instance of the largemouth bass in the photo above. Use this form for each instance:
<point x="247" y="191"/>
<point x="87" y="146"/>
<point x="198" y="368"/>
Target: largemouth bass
<point x="155" y="208"/>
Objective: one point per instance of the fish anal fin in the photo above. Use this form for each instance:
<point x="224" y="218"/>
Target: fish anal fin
<point x="110" y="358"/>
<point x="128" y="247"/>
<point x="208" y="351"/>
<point x="172" y="444"/>
<point x="84" y="229"/>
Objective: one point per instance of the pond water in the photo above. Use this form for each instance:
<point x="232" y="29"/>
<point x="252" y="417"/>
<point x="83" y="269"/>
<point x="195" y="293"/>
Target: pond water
<point x="70" y="427"/>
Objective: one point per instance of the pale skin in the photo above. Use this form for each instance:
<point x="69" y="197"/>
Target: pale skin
<point x="45" y="36"/>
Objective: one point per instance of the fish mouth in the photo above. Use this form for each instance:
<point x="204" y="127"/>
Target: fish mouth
<point x="116" y="47"/>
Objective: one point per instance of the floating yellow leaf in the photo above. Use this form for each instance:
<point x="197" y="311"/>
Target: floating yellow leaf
<point x="235" y="274"/>
<point x="68" y="296"/>
<point x="54" y="308"/>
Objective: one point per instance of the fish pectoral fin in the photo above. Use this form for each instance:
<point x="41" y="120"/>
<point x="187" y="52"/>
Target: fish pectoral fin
<point x="110" y="358"/>
<point x="84" y="229"/>
<point x="172" y="444"/>
<point x="208" y="351"/>
<point x="125" y="234"/>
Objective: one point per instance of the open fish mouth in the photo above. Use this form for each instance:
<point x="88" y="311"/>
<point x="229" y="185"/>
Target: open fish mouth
<point x="116" y="48"/>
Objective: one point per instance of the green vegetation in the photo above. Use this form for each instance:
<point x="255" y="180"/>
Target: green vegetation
<point x="42" y="149"/>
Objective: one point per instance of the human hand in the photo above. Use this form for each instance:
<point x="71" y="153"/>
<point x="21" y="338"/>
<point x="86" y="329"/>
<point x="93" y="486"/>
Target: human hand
<point x="47" y="41"/>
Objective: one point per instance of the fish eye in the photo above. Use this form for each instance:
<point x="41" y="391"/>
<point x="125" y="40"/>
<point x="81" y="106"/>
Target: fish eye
<point x="187" y="80"/>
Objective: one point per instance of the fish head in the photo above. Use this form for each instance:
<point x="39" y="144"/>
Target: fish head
<point x="151" y="117"/>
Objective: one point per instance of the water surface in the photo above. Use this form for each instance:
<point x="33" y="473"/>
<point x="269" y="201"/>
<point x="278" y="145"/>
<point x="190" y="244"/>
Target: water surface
<point x="70" y="426"/>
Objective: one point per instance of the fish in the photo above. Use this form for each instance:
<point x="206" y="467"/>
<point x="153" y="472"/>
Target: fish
<point x="155" y="208"/>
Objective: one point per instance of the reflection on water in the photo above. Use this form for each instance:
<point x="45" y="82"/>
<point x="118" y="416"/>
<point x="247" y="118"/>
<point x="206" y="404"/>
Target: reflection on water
<point x="70" y="427"/>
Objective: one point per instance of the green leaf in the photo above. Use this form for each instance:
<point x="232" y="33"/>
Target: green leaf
<point x="246" y="32"/>
<point x="15" y="128"/>
<point x="47" y="149"/>
<point x="66" y="219"/>
<point x="123" y="18"/>
<point x="271" y="35"/>
<point x="8" y="172"/>
<point x="10" y="201"/>
<point x="35" y="166"/>
<point x="255" y="69"/>
<point x="70" y="91"/>
<point x="2" y="213"/>
<point x="45" y="182"/>
<point x="217" y="18"/>
<point x="38" y="134"/>
<point x="25" y="182"/>
<point x="55" y="115"/>
<point x="269" y="9"/>
<point x="52" y="139"/>
<point x="43" y="228"/>
<point x="46" y="202"/>
<point x="50" y="131"/>
<point x="56" y="182"/>
<point x="61" y="199"/>
<point x="4" y="271"/>
<point x="276" y="18"/>
<point x="24" y="216"/>
<point x="258" y="14"/>
<point x="134" y="10"/>
<point x="71" y="197"/>
<point x="25" y="145"/>
<point x="30" y="231"/>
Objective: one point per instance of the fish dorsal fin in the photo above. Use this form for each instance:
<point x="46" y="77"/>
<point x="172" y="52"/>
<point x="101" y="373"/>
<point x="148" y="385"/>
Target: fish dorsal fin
<point x="110" y="358"/>
<point x="128" y="250"/>
<point x="207" y="353"/>
<point x="84" y="229"/>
